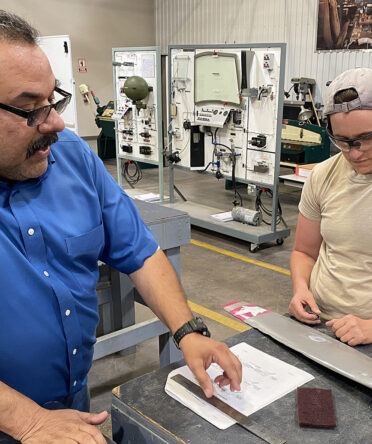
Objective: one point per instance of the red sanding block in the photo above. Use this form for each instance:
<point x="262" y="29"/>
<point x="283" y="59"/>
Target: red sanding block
<point x="315" y="408"/>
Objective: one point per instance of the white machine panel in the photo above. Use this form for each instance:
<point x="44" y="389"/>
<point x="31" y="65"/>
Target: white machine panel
<point x="224" y="110"/>
<point x="137" y="127"/>
<point x="211" y="115"/>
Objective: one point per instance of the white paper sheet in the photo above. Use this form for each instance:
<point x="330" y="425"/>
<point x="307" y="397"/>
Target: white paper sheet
<point x="148" y="66"/>
<point x="223" y="217"/>
<point x="148" y="197"/>
<point x="265" y="379"/>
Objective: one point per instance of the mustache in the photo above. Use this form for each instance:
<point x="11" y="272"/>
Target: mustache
<point x="41" y="143"/>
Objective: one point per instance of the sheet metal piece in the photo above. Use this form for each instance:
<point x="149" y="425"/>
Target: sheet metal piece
<point x="317" y="346"/>
<point x="243" y="421"/>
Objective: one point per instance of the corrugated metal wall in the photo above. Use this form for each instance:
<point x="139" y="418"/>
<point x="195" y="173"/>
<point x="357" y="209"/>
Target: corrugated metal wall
<point x="257" y="21"/>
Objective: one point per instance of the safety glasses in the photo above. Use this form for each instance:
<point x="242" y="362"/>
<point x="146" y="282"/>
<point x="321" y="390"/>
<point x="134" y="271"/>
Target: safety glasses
<point x="362" y="143"/>
<point x="38" y="116"/>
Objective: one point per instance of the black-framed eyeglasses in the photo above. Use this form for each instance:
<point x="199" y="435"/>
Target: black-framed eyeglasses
<point x="38" y="116"/>
<point x="362" y="143"/>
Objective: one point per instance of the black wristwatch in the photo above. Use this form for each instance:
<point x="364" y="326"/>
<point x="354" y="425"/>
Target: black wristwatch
<point x="195" y="325"/>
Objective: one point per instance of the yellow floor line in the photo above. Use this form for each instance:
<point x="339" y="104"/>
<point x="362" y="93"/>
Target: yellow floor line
<point x="241" y="258"/>
<point x="236" y="325"/>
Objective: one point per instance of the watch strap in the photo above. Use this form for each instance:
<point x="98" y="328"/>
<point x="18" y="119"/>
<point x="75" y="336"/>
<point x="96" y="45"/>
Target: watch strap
<point x="195" y="325"/>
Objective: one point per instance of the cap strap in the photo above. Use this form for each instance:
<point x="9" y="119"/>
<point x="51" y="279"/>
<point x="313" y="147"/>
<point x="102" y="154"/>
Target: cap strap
<point x="347" y="106"/>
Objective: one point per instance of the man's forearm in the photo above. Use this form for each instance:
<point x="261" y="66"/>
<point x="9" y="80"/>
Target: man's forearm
<point x="159" y="287"/>
<point x="301" y="268"/>
<point x="17" y="412"/>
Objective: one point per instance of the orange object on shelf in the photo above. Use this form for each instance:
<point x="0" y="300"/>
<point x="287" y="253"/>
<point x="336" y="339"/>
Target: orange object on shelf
<point x="304" y="170"/>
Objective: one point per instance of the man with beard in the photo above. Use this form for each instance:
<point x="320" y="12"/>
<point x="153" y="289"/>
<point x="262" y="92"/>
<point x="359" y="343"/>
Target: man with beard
<point x="61" y="212"/>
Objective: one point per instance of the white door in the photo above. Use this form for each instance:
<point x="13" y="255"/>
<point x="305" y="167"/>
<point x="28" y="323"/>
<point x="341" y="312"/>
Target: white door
<point x="58" y="50"/>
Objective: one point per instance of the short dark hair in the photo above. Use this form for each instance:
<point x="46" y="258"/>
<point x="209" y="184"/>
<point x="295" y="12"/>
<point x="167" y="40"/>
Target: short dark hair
<point x="15" y="29"/>
<point x="345" y="95"/>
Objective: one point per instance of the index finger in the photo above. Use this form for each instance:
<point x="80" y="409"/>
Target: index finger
<point x="202" y="377"/>
<point x="231" y="366"/>
<point x="310" y="318"/>
<point x="298" y="311"/>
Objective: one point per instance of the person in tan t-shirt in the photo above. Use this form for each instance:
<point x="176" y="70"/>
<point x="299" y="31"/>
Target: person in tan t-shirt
<point x="331" y="263"/>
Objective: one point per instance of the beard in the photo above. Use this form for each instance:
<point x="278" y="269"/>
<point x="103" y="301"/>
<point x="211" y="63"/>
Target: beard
<point x="41" y="144"/>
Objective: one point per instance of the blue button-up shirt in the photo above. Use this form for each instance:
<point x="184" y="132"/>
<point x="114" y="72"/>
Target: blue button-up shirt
<point x="53" y="230"/>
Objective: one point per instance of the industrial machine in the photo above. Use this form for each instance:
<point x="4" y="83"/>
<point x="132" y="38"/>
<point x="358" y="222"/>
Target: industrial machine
<point x="138" y="129"/>
<point x="304" y="140"/>
<point x="225" y="113"/>
<point x="303" y="107"/>
<point x="304" y="143"/>
<point x="301" y="87"/>
<point x="103" y="118"/>
<point x="106" y="139"/>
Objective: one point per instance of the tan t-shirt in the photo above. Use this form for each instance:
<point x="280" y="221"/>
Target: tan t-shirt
<point x="341" y="200"/>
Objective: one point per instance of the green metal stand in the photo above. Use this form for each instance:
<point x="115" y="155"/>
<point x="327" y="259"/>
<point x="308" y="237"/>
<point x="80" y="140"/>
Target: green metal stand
<point x="307" y="154"/>
<point x="106" y="140"/>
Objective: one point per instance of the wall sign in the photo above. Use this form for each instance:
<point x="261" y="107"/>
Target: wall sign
<point x="82" y="65"/>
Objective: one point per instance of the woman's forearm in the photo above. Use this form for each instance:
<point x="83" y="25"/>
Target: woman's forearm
<point x="301" y="268"/>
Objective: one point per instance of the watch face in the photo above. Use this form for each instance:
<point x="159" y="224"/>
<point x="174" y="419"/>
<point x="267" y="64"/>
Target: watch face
<point x="197" y="324"/>
<point x="201" y="327"/>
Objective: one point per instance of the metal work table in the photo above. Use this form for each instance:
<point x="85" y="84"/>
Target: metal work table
<point x="143" y="413"/>
<point x="116" y="295"/>
<point x="292" y="180"/>
<point x="200" y="216"/>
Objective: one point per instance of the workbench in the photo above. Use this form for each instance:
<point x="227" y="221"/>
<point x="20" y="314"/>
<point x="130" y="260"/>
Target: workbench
<point x="116" y="295"/>
<point x="292" y="180"/>
<point x="143" y="413"/>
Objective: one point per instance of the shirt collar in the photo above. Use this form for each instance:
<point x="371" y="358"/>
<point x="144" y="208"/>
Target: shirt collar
<point x="51" y="158"/>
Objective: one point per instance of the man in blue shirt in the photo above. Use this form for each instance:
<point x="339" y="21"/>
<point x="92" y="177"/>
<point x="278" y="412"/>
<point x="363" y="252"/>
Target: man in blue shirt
<point x="60" y="212"/>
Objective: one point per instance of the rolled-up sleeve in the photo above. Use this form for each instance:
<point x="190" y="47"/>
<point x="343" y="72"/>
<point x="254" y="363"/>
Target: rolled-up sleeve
<point x="309" y="204"/>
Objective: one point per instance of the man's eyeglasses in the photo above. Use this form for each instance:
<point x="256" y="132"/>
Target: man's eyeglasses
<point x="362" y="143"/>
<point x="38" y="116"/>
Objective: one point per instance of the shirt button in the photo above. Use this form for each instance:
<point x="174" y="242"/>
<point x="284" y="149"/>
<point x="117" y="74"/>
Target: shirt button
<point x="74" y="351"/>
<point x="31" y="231"/>
<point x="67" y="312"/>
<point x="46" y="273"/>
<point x="74" y="384"/>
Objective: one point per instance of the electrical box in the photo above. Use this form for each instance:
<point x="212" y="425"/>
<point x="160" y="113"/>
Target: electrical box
<point x="269" y="60"/>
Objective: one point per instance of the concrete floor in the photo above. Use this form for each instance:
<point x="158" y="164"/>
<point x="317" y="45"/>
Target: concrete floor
<point x="210" y="279"/>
